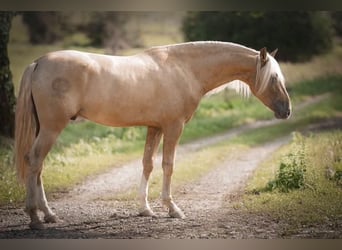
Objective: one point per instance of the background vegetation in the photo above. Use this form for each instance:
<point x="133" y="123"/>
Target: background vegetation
<point x="298" y="35"/>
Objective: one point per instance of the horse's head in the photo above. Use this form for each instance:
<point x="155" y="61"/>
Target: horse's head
<point x="269" y="86"/>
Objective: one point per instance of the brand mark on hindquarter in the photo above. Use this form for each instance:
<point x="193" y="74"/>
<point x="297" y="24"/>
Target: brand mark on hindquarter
<point x="60" y="85"/>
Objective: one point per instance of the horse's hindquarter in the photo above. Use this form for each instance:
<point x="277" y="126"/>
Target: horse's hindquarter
<point x="59" y="84"/>
<point x="139" y="90"/>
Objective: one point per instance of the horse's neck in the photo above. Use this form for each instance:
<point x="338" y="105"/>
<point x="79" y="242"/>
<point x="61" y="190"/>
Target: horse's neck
<point x="218" y="64"/>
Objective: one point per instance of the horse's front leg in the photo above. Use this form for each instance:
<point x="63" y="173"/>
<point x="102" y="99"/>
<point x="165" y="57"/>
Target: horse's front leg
<point x="151" y="147"/>
<point x="171" y="139"/>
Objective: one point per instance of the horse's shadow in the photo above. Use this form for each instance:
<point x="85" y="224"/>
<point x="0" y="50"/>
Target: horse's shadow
<point x="116" y="226"/>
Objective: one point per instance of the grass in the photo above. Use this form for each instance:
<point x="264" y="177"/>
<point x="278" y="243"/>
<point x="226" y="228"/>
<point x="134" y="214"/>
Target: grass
<point x="320" y="66"/>
<point x="66" y="166"/>
<point x="319" y="199"/>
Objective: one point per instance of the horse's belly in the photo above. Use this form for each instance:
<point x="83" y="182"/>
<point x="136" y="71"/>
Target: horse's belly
<point x="117" y="116"/>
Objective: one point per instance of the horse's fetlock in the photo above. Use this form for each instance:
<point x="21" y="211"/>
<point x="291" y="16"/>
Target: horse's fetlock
<point x="51" y="218"/>
<point x="167" y="201"/>
<point x="31" y="205"/>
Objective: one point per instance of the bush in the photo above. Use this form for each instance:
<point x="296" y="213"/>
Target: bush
<point x="298" y="35"/>
<point x="291" y="173"/>
<point x="290" y="176"/>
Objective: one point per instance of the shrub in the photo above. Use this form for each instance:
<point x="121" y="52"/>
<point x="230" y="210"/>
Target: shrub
<point x="298" y="35"/>
<point x="291" y="173"/>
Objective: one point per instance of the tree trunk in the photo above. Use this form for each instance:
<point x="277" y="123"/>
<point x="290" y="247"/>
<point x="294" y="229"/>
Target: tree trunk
<point x="7" y="97"/>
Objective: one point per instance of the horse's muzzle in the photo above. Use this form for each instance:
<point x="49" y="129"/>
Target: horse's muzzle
<point x="283" y="111"/>
<point x="283" y="115"/>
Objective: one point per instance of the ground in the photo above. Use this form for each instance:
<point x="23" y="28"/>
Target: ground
<point x="91" y="210"/>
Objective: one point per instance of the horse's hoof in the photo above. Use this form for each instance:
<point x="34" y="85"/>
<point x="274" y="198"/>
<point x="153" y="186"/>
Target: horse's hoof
<point x="177" y="214"/>
<point x="36" y="225"/>
<point x="51" y="218"/>
<point x="147" y="213"/>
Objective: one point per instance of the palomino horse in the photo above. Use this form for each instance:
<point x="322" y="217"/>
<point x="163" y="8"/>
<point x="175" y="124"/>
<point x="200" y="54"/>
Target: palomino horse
<point x="159" y="88"/>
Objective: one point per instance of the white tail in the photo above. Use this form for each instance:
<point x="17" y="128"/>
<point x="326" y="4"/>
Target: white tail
<point x="25" y="123"/>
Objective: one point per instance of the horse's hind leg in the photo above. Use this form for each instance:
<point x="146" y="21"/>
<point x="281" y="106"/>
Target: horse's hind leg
<point x="35" y="196"/>
<point x="151" y="146"/>
<point x="49" y="216"/>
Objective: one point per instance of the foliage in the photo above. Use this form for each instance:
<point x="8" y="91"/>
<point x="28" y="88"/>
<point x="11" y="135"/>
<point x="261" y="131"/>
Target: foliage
<point x="291" y="173"/>
<point x="44" y="27"/>
<point x="106" y="29"/>
<point x="337" y="22"/>
<point x="298" y="35"/>
<point x="101" y="29"/>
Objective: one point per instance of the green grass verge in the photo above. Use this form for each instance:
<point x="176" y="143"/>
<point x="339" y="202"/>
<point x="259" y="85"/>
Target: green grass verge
<point x="318" y="199"/>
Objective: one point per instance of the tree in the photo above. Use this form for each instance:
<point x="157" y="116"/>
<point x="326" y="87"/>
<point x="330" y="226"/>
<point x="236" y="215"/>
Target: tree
<point x="43" y="27"/>
<point x="337" y="22"/>
<point x="106" y="29"/>
<point x="103" y="29"/>
<point x="7" y="97"/>
<point x="298" y="34"/>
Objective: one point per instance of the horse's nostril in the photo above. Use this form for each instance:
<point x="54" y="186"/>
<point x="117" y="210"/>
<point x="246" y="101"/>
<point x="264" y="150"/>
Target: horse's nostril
<point x="288" y="113"/>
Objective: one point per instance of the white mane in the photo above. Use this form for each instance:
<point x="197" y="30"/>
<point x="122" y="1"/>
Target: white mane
<point x="239" y="86"/>
<point x="264" y="73"/>
<point x="262" y="80"/>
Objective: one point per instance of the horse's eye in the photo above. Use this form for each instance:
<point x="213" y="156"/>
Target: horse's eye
<point x="274" y="79"/>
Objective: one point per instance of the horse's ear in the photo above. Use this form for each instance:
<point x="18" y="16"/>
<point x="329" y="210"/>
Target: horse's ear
<point x="263" y="56"/>
<point x="274" y="52"/>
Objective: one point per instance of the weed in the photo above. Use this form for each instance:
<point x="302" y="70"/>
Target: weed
<point x="291" y="173"/>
